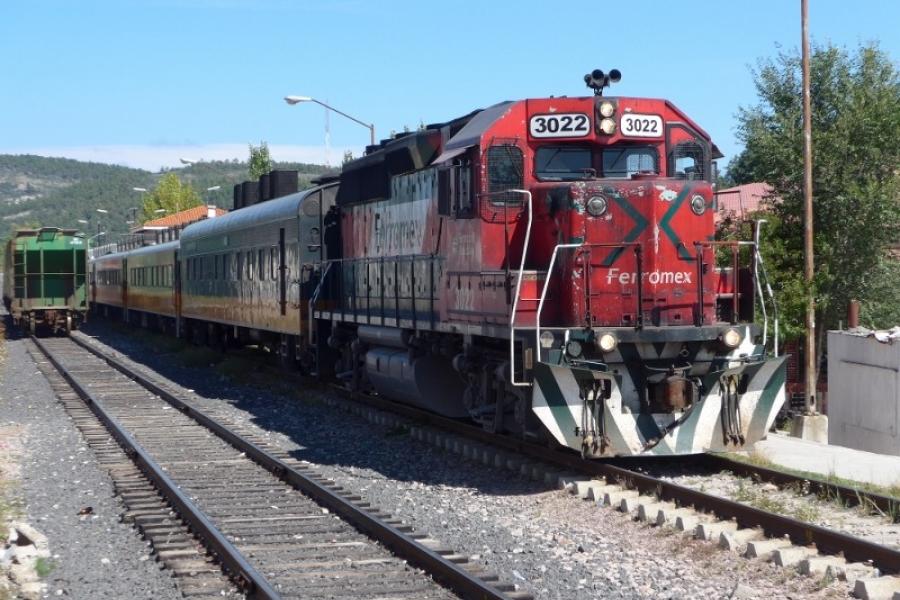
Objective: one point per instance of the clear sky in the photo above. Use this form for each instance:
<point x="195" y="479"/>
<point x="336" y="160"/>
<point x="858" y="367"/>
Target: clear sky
<point x="145" y="82"/>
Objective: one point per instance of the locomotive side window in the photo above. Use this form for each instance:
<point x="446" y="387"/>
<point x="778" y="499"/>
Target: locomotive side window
<point x="562" y="163"/>
<point x="455" y="191"/>
<point x="689" y="160"/>
<point x="625" y="161"/>
<point x="506" y="166"/>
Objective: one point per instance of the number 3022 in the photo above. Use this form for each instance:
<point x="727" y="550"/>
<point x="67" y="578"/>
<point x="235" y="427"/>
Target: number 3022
<point x="642" y="125"/>
<point x="560" y="125"/>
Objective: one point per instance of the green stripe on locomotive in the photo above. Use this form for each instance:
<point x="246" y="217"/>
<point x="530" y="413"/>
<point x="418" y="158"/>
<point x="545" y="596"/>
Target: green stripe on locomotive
<point x="45" y="268"/>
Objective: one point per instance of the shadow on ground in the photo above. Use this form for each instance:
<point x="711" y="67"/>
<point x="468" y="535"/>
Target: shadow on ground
<point x="320" y="434"/>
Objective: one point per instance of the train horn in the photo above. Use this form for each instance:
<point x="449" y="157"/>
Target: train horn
<point x="597" y="80"/>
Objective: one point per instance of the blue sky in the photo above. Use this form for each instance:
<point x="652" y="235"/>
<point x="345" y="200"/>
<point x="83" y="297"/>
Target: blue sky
<point x="145" y="82"/>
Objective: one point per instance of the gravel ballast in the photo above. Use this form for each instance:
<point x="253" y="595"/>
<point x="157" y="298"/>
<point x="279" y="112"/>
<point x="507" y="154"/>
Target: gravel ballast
<point x="546" y="541"/>
<point x="93" y="555"/>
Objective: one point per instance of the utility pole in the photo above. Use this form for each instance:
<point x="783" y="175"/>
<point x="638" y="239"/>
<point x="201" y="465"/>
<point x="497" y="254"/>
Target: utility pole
<point x="810" y="400"/>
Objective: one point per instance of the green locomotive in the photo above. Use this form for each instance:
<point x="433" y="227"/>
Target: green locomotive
<point x="45" y="278"/>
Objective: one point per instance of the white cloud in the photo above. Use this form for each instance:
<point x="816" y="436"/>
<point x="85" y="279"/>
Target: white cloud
<point x="152" y="157"/>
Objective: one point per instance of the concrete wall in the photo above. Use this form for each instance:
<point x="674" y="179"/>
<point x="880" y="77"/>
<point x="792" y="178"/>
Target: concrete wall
<point x="863" y="393"/>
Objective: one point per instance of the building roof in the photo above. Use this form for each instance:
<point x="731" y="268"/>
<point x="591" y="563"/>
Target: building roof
<point x="742" y="200"/>
<point x="185" y="217"/>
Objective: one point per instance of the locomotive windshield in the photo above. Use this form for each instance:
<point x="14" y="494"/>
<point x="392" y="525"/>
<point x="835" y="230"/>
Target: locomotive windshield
<point x="571" y="163"/>
<point x="625" y="161"/>
<point x="563" y="163"/>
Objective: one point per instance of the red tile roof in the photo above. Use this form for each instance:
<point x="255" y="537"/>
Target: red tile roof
<point x="185" y="217"/>
<point x="742" y="200"/>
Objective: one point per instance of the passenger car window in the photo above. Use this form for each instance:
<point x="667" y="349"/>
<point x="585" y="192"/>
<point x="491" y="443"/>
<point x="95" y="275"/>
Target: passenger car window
<point x="261" y="257"/>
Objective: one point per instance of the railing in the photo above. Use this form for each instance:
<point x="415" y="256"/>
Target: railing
<point x="735" y="246"/>
<point x="362" y="304"/>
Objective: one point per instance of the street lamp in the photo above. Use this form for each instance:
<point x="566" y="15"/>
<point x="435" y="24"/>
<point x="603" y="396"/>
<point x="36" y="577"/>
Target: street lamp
<point x="92" y="251"/>
<point x="298" y="99"/>
<point x="211" y="189"/>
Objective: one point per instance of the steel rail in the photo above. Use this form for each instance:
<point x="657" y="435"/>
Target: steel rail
<point x="441" y="569"/>
<point x="827" y="541"/>
<point x="249" y="579"/>
<point x="847" y="494"/>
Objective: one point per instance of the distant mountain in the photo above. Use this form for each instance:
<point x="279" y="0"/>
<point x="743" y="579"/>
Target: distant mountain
<point x="36" y="190"/>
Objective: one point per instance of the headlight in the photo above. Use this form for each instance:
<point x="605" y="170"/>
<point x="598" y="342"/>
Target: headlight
<point x="607" y="109"/>
<point x="573" y="348"/>
<point x="731" y="338"/>
<point x="596" y="205"/>
<point x="547" y="340"/>
<point x="608" y="126"/>
<point x="607" y="342"/>
<point x="698" y="204"/>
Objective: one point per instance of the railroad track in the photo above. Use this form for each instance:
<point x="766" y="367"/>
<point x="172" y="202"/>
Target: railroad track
<point x="871" y="568"/>
<point x="211" y="497"/>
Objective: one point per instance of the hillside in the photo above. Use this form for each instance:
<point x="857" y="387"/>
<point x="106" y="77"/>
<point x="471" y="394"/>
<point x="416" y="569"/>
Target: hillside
<point x="36" y="190"/>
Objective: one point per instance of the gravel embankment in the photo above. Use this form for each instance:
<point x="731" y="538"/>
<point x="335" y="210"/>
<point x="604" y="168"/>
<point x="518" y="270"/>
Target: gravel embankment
<point x="546" y="541"/>
<point x="94" y="556"/>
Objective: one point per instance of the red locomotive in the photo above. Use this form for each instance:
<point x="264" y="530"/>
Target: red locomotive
<point x="545" y="267"/>
<point x="549" y="265"/>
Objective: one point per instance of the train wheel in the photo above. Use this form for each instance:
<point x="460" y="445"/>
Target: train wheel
<point x="68" y="324"/>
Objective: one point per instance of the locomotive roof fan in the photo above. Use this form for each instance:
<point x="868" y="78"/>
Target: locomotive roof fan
<point x="597" y="80"/>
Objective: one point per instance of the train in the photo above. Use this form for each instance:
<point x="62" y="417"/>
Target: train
<point x="545" y="267"/>
<point x="45" y="278"/>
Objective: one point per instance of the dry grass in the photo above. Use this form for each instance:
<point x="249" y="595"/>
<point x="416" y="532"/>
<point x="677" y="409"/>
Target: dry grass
<point x="761" y="459"/>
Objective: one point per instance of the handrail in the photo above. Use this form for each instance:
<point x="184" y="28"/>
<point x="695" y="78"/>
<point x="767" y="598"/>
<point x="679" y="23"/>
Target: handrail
<point x="515" y="306"/>
<point x="768" y="288"/>
<point x="540" y="307"/>
<point x="756" y="260"/>
<point x="315" y="297"/>
<point x="735" y="246"/>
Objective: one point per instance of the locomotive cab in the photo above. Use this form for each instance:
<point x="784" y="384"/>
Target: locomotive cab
<point x="640" y="339"/>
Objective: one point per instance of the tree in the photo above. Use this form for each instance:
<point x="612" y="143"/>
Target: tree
<point x="856" y="181"/>
<point x="168" y="197"/>
<point x="260" y="161"/>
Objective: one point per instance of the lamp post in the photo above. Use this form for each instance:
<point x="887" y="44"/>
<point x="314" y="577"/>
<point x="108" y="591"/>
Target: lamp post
<point x="102" y="211"/>
<point x="810" y="401"/>
<point x="91" y="250"/>
<point x="211" y="189"/>
<point x="298" y="99"/>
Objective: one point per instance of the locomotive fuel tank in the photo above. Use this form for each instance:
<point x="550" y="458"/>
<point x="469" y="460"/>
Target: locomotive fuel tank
<point x="426" y="381"/>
